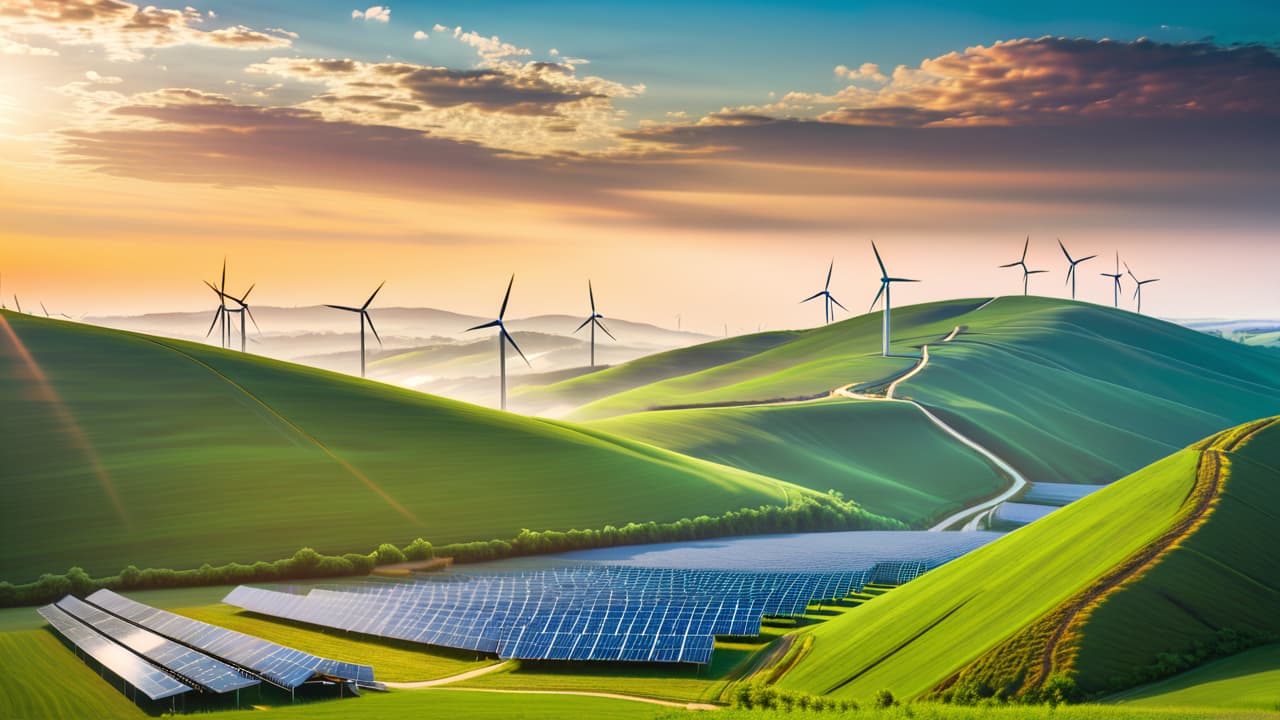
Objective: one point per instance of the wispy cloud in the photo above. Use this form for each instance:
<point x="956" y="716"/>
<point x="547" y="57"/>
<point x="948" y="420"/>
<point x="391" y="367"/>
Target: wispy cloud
<point x="376" y="13"/>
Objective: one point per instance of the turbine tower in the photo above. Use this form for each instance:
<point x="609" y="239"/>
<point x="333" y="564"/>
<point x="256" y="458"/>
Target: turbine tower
<point x="220" y="313"/>
<point x="885" y="282"/>
<point x="1116" y="277"/>
<point x="594" y="321"/>
<point x="1071" y="270"/>
<point x="363" y="311"/>
<point x="503" y="338"/>
<point x="1137" y="291"/>
<point x="828" y="312"/>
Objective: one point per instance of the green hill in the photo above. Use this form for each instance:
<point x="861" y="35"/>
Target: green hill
<point x="155" y="452"/>
<point x="1248" y="681"/>
<point x="1115" y="588"/>
<point x="887" y="456"/>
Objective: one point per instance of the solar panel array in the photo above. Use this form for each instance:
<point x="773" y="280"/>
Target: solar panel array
<point x="147" y="678"/>
<point x="588" y="612"/>
<point x="280" y="665"/>
<point x="194" y="667"/>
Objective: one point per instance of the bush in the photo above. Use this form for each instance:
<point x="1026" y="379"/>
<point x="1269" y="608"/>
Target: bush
<point x="388" y="554"/>
<point x="884" y="699"/>
<point x="419" y="550"/>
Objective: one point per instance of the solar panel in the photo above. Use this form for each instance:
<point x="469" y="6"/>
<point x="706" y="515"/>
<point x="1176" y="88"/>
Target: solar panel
<point x="195" y="668"/>
<point x="147" y="678"/>
<point x="279" y="665"/>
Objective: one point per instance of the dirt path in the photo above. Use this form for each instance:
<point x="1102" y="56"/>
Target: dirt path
<point x="587" y="693"/>
<point x="1210" y="479"/>
<point x="451" y="679"/>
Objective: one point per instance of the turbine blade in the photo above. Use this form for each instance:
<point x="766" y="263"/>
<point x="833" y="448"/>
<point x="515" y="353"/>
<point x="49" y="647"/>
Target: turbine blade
<point x="900" y="280"/>
<point x="1090" y="257"/>
<point x="343" y="307"/>
<point x="512" y="340"/>
<point x="216" y="314"/>
<point x="585" y="322"/>
<point x="1025" y="246"/>
<point x="503" y="311"/>
<point x="494" y="323"/>
<point x="245" y="296"/>
<point x="1064" y="251"/>
<point x="605" y="329"/>
<point x="253" y="319"/>
<point x="223" y="285"/>
<point x="1070" y="271"/>
<point x="814" y="296"/>
<point x="214" y="289"/>
<point x="837" y="302"/>
<point x="1012" y="264"/>
<point x="45" y="309"/>
<point x="1036" y="272"/>
<point x="371" y="297"/>
<point x="592" y="294"/>
<point x="883" y="285"/>
<point x="830" y="266"/>
<point x="369" y="317"/>
<point x="883" y="272"/>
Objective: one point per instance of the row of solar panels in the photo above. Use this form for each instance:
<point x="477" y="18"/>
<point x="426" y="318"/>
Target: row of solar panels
<point x="589" y="612"/>
<point x="163" y="654"/>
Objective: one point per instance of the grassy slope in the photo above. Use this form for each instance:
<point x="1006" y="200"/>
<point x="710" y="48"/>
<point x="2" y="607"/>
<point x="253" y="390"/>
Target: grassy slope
<point x="936" y="711"/>
<point x="220" y="456"/>
<point x="813" y="362"/>
<point x="886" y="456"/>
<point x="1248" y="681"/>
<point x="1071" y="392"/>
<point x="980" y="607"/>
<point x="43" y="680"/>
<point x="919" y="634"/>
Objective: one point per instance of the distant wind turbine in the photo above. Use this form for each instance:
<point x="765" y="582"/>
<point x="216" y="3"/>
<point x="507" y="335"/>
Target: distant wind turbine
<point x="49" y="314"/>
<point x="17" y="302"/>
<point x="503" y="338"/>
<point x="220" y="313"/>
<point x="363" y="311"/>
<point x="885" y="282"/>
<point x="594" y="321"/>
<point x="1026" y="273"/>
<point x="679" y="322"/>
<point x="1137" y="291"/>
<point x="241" y="311"/>
<point x="1116" y="277"/>
<point x="1071" y="269"/>
<point x="828" y="313"/>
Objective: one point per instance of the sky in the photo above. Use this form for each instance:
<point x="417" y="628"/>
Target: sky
<point x="707" y="159"/>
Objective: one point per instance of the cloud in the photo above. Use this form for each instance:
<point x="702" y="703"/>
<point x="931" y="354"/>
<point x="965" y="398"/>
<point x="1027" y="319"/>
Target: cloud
<point x="530" y="107"/>
<point x="376" y="13"/>
<point x="420" y="35"/>
<point x="94" y="77"/>
<point x="123" y="29"/>
<point x="1055" y="81"/>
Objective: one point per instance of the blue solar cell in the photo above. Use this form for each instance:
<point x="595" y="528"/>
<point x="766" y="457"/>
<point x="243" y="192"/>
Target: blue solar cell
<point x="147" y="678"/>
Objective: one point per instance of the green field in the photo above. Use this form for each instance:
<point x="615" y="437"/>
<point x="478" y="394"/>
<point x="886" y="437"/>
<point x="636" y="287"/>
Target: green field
<point x="935" y="711"/>
<point x="1249" y="681"/>
<point x="887" y="456"/>
<point x="204" y="455"/>
<point x="985" y="614"/>
<point x="809" y="362"/>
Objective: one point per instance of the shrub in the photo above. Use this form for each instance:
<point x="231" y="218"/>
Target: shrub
<point x="884" y="699"/>
<point x="388" y="554"/>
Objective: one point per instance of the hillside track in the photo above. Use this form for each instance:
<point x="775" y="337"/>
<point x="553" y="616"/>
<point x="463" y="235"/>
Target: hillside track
<point x="1211" y="477"/>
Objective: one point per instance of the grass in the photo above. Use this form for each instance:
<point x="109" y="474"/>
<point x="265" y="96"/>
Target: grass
<point x="988" y="614"/>
<point x="43" y="680"/>
<point x="394" y="661"/>
<point x="919" y="634"/>
<point x="216" y="456"/>
<point x="810" y="362"/>
<point x="886" y="456"/>
<point x="934" y="711"/>
<point x="1247" y="681"/>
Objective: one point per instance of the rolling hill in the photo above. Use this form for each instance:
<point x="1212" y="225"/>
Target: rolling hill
<point x="164" y="453"/>
<point x="887" y="456"/>
<point x="1249" y="681"/>
<point x="1111" y="590"/>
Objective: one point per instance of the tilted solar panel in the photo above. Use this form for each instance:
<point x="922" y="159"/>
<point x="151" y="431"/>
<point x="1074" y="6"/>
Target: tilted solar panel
<point x="280" y="665"/>
<point x="147" y="678"/>
<point x="195" y="668"/>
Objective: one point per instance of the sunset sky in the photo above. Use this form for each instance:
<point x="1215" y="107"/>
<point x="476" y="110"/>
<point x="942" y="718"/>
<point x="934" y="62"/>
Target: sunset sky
<point x="703" y="158"/>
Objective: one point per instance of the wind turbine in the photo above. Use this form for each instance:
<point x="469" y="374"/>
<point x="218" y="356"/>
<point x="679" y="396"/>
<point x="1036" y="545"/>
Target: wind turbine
<point x="17" y="302"/>
<point x="594" y="321"/>
<point x="242" y="310"/>
<point x="503" y="338"/>
<point x="220" y="314"/>
<point x="1071" y="271"/>
<point x="1116" y="277"/>
<point x="363" y="310"/>
<point x="885" y="282"/>
<point x="49" y="314"/>
<point x="1137" y="291"/>
<point x="679" y="322"/>
<point x="828" y="313"/>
